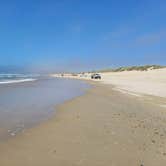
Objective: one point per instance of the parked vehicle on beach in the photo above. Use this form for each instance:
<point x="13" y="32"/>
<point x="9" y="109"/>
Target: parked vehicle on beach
<point x="95" y="76"/>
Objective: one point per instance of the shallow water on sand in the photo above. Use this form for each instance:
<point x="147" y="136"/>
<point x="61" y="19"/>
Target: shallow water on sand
<point x="23" y="105"/>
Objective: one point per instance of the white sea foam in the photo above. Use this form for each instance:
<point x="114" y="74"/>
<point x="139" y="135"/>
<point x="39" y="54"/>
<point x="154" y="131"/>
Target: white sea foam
<point x="17" y="81"/>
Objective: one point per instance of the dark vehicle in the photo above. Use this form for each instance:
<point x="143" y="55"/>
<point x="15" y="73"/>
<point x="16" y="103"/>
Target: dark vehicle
<point x="95" y="76"/>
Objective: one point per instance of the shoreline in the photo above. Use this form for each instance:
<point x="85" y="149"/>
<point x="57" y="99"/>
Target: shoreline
<point x="23" y="106"/>
<point x="89" y="130"/>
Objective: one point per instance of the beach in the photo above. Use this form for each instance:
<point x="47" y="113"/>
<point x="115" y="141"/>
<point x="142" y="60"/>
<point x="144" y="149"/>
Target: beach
<point x="150" y="82"/>
<point x="100" y="128"/>
<point x="83" y="83"/>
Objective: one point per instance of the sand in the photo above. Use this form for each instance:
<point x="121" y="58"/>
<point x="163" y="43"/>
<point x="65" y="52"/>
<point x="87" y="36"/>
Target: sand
<point x="104" y="127"/>
<point x="151" y="82"/>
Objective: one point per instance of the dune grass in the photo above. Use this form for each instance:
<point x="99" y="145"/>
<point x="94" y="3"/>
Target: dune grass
<point x="131" y="68"/>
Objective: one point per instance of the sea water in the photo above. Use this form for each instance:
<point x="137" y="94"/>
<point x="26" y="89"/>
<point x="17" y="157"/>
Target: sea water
<point x="27" y="100"/>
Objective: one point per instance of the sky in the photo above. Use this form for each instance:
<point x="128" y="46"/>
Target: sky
<point x="77" y="35"/>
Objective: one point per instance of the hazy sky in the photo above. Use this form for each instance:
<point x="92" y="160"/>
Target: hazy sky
<point x="82" y="34"/>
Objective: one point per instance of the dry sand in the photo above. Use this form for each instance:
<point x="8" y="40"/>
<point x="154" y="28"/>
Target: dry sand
<point x="152" y="82"/>
<point x="102" y="128"/>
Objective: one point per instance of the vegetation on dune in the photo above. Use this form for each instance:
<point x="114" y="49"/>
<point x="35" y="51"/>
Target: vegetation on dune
<point x="132" y="68"/>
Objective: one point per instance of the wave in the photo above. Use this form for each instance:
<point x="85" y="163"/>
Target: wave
<point x="4" y="75"/>
<point x="17" y="81"/>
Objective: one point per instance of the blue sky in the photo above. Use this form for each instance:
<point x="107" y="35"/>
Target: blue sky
<point x="71" y="35"/>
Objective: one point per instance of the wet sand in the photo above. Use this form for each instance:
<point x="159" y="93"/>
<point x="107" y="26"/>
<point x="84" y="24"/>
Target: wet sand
<point x="104" y="127"/>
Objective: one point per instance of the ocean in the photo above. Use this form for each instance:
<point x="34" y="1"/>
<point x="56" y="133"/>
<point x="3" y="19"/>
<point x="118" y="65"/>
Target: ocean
<point x="27" y="100"/>
<point x="17" y="78"/>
